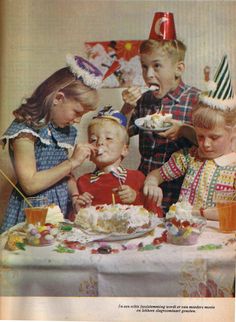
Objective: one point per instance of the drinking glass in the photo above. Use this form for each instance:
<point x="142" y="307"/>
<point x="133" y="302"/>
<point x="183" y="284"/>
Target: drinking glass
<point x="36" y="215"/>
<point x="226" y="206"/>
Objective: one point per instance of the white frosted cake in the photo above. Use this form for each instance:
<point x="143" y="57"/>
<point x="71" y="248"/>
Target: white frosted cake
<point x="156" y="120"/>
<point x="113" y="218"/>
<point x="54" y="214"/>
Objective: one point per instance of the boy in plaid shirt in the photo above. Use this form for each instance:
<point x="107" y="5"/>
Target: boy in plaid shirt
<point x="162" y="61"/>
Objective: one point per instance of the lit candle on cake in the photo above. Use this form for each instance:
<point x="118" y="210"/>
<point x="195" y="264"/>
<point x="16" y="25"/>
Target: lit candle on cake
<point x="113" y="199"/>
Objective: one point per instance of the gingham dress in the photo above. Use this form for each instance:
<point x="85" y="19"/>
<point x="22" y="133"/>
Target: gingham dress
<point x="51" y="148"/>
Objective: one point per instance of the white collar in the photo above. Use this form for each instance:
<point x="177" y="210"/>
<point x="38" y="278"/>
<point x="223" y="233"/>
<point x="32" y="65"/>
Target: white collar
<point x="227" y="159"/>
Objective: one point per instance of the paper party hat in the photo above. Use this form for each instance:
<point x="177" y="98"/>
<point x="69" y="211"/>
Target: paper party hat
<point x="220" y="93"/>
<point x="109" y="113"/>
<point x="89" y="74"/>
<point x="163" y="27"/>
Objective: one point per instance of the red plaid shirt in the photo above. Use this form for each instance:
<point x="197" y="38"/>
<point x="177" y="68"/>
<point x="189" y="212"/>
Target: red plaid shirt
<point x="154" y="149"/>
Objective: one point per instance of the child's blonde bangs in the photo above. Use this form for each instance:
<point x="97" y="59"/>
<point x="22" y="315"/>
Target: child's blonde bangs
<point x="174" y="48"/>
<point x="209" y="118"/>
<point x="100" y="121"/>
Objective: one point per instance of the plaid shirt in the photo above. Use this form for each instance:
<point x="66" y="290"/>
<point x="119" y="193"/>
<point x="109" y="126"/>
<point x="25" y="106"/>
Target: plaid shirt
<point x="155" y="150"/>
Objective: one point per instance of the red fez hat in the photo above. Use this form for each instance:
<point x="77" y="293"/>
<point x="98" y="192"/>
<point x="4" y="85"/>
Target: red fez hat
<point x="163" y="26"/>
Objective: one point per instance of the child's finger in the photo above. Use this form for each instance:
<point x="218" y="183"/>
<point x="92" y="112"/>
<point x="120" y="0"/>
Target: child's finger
<point x="81" y="202"/>
<point x="85" y="199"/>
<point x="89" y="195"/>
<point x="123" y="190"/>
<point x="166" y="133"/>
<point x="93" y="148"/>
<point x="153" y="193"/>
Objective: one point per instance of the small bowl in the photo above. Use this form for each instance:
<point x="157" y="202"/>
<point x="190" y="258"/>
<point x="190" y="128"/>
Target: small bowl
<point x="184" y="232"/>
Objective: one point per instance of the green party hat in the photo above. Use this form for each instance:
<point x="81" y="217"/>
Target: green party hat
<point x="220" y="93"/>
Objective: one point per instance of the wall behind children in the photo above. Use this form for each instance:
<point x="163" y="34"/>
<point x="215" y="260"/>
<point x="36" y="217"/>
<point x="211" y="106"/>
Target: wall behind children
<point x="36" y="36"/>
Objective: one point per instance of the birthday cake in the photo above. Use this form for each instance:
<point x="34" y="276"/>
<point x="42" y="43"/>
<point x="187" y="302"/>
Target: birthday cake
<point x="116" y="218"/>
<point x="182" y="227"/>
<point x="157" y="120"/>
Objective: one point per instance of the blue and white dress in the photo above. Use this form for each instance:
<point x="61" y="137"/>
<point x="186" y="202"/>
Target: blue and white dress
<point x="51" y="148"/>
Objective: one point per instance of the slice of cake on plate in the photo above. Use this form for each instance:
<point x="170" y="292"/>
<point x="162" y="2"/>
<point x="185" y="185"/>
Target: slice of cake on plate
<point x="157" y="120"/>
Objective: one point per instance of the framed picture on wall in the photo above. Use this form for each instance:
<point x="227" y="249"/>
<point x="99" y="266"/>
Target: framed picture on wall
<point x="124" y="53"/>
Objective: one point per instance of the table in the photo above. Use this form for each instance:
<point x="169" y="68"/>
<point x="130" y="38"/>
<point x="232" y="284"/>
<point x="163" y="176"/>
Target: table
<point x="134" y="268"/>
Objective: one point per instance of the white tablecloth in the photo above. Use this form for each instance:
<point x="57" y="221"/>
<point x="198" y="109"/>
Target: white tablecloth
<point x="202" y="270"/>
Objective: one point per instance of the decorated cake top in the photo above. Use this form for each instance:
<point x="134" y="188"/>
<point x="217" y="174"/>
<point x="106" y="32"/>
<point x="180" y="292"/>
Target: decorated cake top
<point x="181" y="210"/>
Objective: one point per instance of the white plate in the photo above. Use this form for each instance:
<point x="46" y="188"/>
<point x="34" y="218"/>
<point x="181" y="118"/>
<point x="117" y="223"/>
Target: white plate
<point x="140" y="121"/>
<point x="119" y="236"/>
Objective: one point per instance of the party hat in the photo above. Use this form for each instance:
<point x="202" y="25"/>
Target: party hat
<point x="109" y="113"/>
<point x="85" y="71"/>
<point x="220" y="93"/>
<point x="163" y="27"/>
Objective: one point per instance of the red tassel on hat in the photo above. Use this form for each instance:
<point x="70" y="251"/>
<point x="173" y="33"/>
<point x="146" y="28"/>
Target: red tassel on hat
<point x="163" y="27"/>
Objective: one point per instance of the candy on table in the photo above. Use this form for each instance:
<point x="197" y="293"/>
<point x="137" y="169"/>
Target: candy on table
<point x="41" y="235"/>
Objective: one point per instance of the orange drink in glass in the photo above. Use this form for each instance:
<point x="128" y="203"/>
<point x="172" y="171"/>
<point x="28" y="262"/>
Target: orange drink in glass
<point x="226" y="206"/>
<point x="36" y="215"/>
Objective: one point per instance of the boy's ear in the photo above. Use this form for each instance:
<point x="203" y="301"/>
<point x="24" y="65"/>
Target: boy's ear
<point x="125" y="151"/>
<point x="180" y="68"/>
<point x="59" y="97"/>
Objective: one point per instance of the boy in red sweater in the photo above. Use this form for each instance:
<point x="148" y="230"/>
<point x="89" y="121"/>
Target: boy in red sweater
<point x="110" y="182"/>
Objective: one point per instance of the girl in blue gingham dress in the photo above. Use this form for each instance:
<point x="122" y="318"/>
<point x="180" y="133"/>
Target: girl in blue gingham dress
<point x="42" y="134"/>
<point x="51" y="148"/>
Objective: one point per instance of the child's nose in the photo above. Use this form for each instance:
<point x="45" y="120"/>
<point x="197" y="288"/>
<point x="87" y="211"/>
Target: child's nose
<point x="100" y="141"/>
<point x="207" y="142"/>
<point x="150" y="72"/>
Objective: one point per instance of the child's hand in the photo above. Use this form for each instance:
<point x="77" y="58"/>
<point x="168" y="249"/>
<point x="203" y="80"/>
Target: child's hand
<point x="211" y="213"/>
<point x="173" y="132"/>
<point x="83" y="200"/>
<point x="153" y="192"/>
<point x="80" y="153"/>
<point x="131" y="95"/>
<point x="126" y="193"/>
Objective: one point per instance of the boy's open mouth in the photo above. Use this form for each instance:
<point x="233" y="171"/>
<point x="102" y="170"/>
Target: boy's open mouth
<point x="154" y="87"/>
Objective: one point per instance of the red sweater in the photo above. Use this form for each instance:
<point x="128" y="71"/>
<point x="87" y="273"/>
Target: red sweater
<point x="102" y="189"/>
